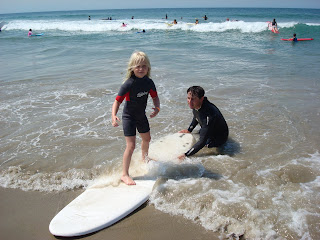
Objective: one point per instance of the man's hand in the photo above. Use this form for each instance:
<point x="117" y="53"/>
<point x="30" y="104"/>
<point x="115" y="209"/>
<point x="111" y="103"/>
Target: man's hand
<point x="182" y="157"/>
<point x="184" y="131"/>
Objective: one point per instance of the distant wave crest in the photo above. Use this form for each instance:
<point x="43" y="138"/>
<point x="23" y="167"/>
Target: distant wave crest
<point x="136" y="25"/>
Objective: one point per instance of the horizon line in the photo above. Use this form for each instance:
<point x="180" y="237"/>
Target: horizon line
<point x="160" y="8"/>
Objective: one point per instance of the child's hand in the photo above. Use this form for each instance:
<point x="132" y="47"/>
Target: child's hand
<point x="155" y="112"/>
<point x="115" y="121"/>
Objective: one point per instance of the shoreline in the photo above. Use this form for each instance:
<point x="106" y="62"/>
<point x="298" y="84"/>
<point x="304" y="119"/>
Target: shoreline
<point x="26" y="215"/>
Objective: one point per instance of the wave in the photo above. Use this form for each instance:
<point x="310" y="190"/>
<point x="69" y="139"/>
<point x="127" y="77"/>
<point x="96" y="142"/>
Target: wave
<point x="16" y="177"/>
<point x="313" y="24"/>
<point x="98" y="26"/>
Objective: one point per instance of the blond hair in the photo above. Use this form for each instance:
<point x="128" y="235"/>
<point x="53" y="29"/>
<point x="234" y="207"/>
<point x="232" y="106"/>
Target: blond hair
<point x="135" y="60"/>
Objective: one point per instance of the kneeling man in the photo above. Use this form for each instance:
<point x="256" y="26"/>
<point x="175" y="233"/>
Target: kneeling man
<point x="214" y="129"/>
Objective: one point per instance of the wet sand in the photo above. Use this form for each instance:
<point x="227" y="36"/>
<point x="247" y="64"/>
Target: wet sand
<point x="26" y="215"/>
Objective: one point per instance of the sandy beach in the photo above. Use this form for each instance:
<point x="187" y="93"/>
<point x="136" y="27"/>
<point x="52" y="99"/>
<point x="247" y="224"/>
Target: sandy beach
<point x="26" y="215"/>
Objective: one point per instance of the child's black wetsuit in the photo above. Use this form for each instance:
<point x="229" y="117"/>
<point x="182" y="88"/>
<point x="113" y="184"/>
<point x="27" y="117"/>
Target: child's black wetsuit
<point x="136" y="91"/>
<point x="214" y="129"/>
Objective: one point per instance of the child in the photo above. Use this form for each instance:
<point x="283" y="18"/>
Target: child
<point x="30" y="32"/>
<point x="135" y="89"/>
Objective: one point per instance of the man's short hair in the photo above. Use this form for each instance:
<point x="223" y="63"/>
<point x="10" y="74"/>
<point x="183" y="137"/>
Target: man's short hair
<point x="196" y="91"/>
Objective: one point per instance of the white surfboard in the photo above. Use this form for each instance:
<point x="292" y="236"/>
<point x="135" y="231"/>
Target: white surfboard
<point x="100" y="207"/>
<point x="97" y="208"/>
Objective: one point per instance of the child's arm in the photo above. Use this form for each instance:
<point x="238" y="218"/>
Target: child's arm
<point x="156" y="103"/>
<point x="115" y="108"/>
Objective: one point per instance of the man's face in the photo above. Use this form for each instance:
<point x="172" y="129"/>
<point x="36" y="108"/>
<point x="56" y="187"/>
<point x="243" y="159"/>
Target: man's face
<point x="193" y="101"/>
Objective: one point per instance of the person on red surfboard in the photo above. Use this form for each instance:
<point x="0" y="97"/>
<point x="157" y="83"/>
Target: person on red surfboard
<point x="274" y="26"/>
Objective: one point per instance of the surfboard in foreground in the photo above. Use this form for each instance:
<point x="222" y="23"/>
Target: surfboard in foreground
<point x="298" y="39"/>
<point x="97" y="208"/>
<point x="100" y="207"/>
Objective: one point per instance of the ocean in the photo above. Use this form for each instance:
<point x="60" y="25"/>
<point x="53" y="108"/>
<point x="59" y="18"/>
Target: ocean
<point x="57" y="91"/>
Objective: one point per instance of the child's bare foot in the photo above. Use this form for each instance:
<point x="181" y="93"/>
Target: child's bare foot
<point x="128" y="180"/>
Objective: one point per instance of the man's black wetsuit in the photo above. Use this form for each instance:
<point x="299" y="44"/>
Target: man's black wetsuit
<point x="214" y="129"/>
<point x="136" y="91"/>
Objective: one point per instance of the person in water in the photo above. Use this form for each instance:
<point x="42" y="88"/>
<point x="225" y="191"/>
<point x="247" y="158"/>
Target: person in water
<point x="205" y="17"/>
<point x="175" y="22"/>
<point x="295" y="39"/>
<point x="30" y="32"/>
<point x="214" y="130"/>
<point x="135" y="90"/>
<point x="197" y="21"/>
<point x="274" y="25"/>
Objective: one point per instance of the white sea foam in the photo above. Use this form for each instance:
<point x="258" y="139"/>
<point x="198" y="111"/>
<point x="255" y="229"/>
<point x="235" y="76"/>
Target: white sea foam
<point x="236" y="209"/>
<point x="313" y="24"/>
<point x="99" y="26"/>
<point x="16" y="177"/>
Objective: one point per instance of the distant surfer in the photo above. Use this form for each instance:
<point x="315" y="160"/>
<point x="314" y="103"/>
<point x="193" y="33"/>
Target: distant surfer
<point x="274" y="25"/>
<point x="205" y="17"/>
<point x="89" y="18"/>
<point x="135" y="90"/>
<point x="295" y="39"/>
<point x="197" y="21"/>
<point x="30" y="32"/>
<point x="214" y="130"/>
<point x="124" y="25"/>
<point x="175" y="22"/>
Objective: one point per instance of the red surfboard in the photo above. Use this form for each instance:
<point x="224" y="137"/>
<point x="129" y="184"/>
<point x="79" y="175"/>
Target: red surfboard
<point x="299" y="39"/>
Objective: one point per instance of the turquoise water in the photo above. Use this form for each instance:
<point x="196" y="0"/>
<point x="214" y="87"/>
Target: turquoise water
<point x="57" y="91"/>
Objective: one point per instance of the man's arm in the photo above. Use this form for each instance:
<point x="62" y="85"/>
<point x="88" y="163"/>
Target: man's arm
<point x="204" y="134"/>
<point x="198" y="145"/>
<point x="193" y="124"/>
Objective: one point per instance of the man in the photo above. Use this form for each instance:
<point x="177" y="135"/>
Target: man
<point x="214" y="129"/>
